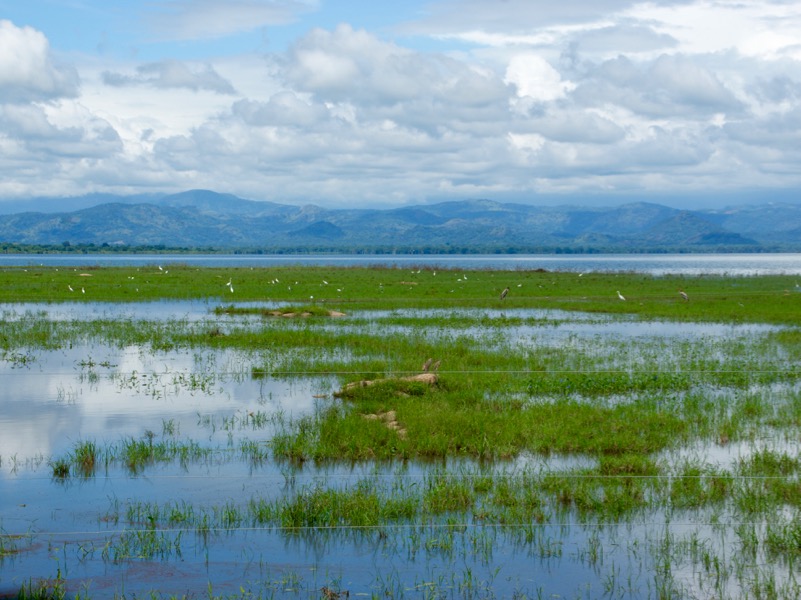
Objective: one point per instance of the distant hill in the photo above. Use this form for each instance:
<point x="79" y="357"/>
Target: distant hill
<point x="207" y="219"/>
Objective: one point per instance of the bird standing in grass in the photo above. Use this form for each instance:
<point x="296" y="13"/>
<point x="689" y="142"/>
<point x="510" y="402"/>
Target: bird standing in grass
<point x="504" y="292"/>
<point x="619" y="295"/>
<point x="684" y="295"/>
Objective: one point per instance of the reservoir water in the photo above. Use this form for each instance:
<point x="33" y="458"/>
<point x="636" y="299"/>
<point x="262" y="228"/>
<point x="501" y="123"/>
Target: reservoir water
<point x="655" y="264"/>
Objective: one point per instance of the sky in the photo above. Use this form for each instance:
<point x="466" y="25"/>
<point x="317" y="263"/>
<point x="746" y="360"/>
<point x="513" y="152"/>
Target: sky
<point x="380" y="104"/>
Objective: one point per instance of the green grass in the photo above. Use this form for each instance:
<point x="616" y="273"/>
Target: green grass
<point x="506" y="389"/>
<point x="767" y="299"/>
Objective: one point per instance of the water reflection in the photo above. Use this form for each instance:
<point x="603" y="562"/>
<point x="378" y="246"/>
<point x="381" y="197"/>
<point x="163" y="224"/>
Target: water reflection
<point x="89" y="391"/>
<point x="104" y="393"/>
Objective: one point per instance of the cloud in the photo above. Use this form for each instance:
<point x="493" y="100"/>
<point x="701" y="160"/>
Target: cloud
<point x="283" y="109"/>
<point x="172" y="74"/>
<point x="28" y="71"/>
<point x="569" y="97"/>
<point x="511" y="16"/>
<point x="534" y="78"/>
<point x="209" y="19"/>
<point x="671" y="85"/>
<point x="347" y="65"/>
<point x="626" y="38"/>
<point x="35" y="134"/>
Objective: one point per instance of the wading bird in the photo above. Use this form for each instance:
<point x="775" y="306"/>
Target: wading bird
<point x="684" y="295"/>
<point x="504" y="292"/>
<point x="619" y="295"/>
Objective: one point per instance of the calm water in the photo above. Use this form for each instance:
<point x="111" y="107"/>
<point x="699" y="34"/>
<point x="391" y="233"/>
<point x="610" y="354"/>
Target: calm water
<point x="656" y="264"/>
<point x="52" y="399"/>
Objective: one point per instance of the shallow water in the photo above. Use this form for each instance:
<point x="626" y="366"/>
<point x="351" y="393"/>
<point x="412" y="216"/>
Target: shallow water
<point x="53" y="399"/>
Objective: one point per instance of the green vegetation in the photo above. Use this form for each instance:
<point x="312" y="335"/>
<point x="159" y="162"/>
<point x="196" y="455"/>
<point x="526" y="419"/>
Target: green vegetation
<point x="770" y="299"/>
<point x="467" y="454"/>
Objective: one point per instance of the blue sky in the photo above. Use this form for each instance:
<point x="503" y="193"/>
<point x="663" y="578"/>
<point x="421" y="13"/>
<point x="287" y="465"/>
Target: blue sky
<point x="689" y="103"/>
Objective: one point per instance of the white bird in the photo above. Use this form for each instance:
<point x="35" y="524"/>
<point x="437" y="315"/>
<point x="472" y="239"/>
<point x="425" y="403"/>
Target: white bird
<point x="619" y="295"/>
<point x="83" y="291"/>
<point x="70" y="287"/>
<point x="325" y="282"/>
<point x="684" y="295"/>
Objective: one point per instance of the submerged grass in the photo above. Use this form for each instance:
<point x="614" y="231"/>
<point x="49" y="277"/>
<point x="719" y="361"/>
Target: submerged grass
<point x="505" y="390"/>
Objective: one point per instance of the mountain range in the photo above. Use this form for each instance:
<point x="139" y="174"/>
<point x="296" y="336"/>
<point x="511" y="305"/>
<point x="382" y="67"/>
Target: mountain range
<point x="211" y="220"/>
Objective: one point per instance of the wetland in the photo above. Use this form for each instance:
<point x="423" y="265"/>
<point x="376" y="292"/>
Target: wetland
<point x="171" y="430"/>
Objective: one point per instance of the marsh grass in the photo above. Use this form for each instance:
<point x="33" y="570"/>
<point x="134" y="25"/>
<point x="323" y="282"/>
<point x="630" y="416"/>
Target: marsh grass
<point x="85" y="458"/>
<point x="501" y="393"/>
<point x="713" y="298"/>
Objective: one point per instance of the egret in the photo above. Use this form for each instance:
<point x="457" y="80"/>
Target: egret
<point x="684" y="295"/>
<point x="70" y="287"/>
<point x="619" y="295"/>
<point x="504" y="292"/>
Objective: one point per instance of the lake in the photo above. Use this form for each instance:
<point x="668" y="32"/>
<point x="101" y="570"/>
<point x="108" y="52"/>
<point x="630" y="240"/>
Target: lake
<point x="655" y="264"/>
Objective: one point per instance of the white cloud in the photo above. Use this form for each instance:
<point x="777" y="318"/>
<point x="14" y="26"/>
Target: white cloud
<point x="283" y="109"/>
<point x="172" y="74"/>
<point x="535" y="96"/>
<point x="208" y="19"/>
<point x="534" y="78"/>
<point x="27" y="68"/>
